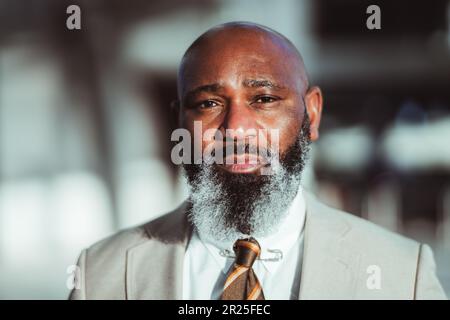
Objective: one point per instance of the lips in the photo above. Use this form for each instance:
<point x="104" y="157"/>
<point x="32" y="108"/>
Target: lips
<point x="243" y="163"/>
<point x="242" y="168"/>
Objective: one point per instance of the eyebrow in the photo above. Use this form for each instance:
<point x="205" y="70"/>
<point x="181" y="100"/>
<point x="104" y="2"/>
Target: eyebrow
<point x="213" y="87"/>
<point x="250" y="83"/>
<point x="262" y="83"/>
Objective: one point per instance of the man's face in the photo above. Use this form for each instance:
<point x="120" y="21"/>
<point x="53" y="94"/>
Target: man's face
<point x="247" y="85"/>
<point x="246" y="82"/>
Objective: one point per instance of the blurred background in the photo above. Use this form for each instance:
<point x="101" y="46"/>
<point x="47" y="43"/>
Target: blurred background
<point x="85" y="123"/>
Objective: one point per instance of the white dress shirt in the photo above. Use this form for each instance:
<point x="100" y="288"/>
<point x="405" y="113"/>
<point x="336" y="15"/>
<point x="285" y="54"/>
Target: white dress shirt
<point x="205" y="270"/>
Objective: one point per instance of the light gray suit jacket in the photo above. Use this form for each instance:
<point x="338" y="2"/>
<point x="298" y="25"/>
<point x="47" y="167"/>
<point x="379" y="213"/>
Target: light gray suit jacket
<point x="344" y="257"/>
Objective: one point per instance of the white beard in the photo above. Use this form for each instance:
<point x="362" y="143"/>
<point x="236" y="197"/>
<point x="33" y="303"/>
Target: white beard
<point x="210" y="208"/>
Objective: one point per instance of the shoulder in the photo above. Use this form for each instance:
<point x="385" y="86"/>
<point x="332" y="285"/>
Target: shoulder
<point x="363" y="249"/>
<point x="103" y="265"/>
<point x="166" y="228"/>
<point x="109" y="255"/>
<point x="361" y="231"/>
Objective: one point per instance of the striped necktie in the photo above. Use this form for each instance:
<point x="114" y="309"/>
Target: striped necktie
<point x="242" y="283"/>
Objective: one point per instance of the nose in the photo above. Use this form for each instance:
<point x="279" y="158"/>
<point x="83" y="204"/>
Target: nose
<point x="239" y="121"/>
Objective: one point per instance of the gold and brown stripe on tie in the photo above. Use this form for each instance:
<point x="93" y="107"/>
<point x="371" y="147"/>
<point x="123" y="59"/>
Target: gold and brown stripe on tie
<point x="242" y="283"/>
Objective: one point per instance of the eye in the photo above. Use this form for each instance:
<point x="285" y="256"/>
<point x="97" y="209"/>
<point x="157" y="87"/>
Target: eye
<point x="265" y="99"/>
<point x="207" y="104"/>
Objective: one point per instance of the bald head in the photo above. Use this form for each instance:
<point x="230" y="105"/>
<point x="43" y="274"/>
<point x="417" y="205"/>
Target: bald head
<point x="236" y="40"/>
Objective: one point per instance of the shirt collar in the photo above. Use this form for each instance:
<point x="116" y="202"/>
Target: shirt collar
<point x="283" y="238"/>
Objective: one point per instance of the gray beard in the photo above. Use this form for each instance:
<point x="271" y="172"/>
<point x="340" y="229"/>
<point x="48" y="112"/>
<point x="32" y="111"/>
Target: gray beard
<point x="225" y="206"/>
<point x="210" y="208"/>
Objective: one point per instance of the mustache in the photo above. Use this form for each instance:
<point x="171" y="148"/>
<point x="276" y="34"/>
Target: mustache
<point x="236" y="148"/>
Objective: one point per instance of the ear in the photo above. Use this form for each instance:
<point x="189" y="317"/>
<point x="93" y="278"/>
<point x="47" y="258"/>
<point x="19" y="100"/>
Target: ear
<point x="313" y="104"/>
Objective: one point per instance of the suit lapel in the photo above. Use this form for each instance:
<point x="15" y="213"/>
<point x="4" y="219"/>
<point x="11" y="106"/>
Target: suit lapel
<point x="329" y="268"/>
<point x="155" y="267"/>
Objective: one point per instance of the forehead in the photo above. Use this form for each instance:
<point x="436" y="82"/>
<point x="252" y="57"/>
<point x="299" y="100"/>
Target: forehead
<point x="230" y="58"/>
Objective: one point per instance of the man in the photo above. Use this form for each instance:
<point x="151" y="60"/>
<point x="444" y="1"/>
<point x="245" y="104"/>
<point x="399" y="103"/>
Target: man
<point x="248" y="229"/>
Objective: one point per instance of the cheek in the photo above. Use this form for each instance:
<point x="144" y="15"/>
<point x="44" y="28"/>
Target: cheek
<point x="287" y="125"/>
<point x="288" y="138"/>
<point x="201" y="141"/>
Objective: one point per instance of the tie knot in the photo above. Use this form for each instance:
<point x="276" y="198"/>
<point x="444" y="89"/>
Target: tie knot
<point x="246" y="250"/>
